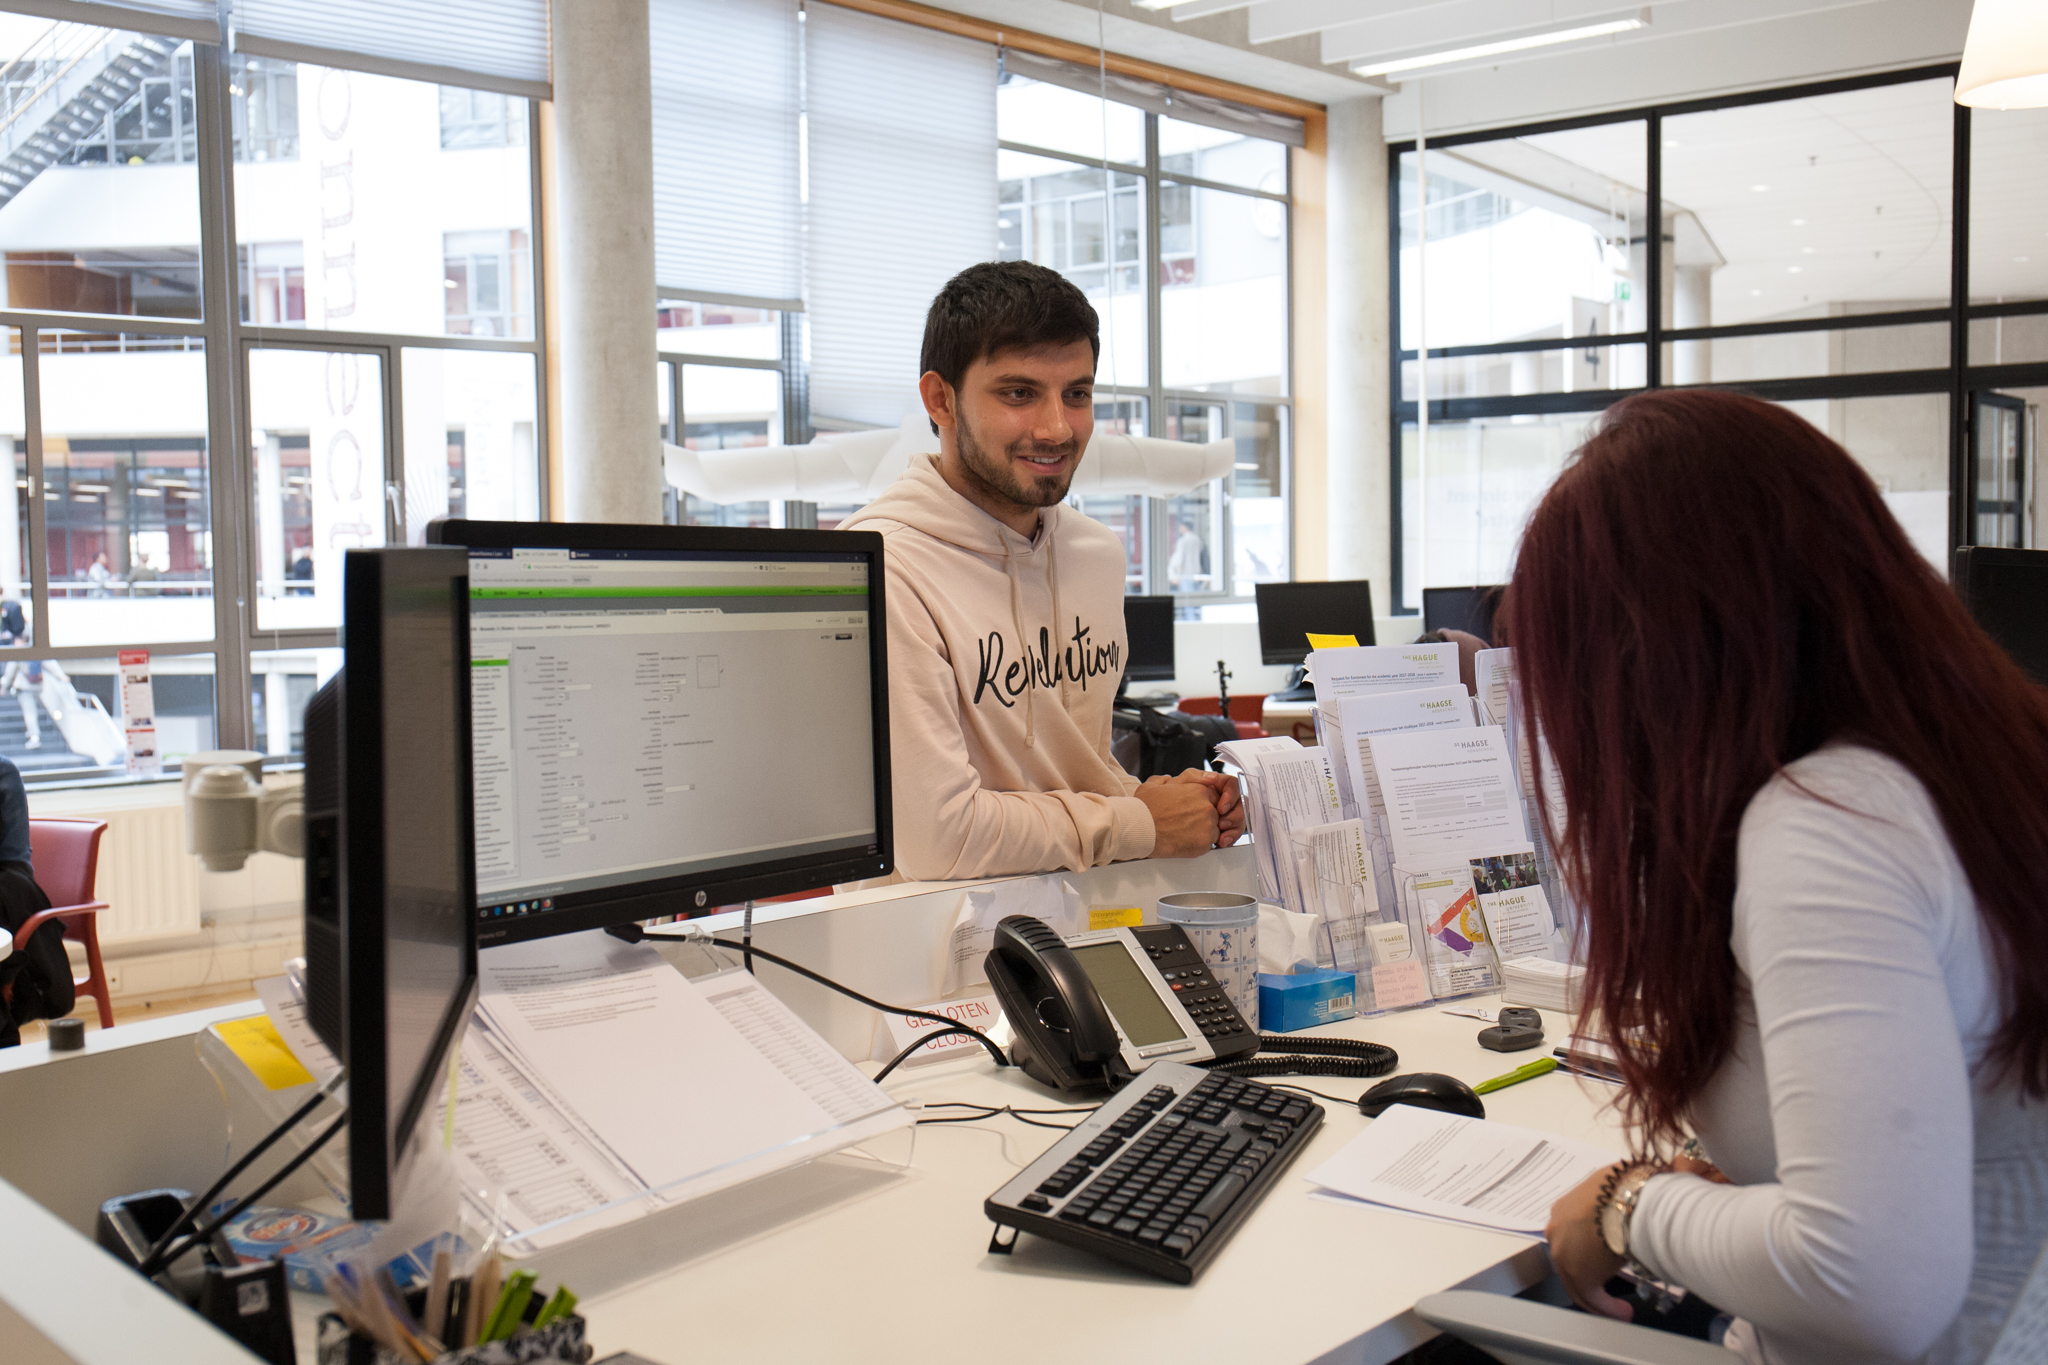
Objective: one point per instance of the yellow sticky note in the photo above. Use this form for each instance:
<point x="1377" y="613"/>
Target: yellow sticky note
<point x="1115" y="917"/>
<point x="257" y="1043"/>
<point x="1316" y="641"/>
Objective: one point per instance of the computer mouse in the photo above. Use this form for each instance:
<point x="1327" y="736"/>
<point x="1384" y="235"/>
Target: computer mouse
<point x="1424" y="1090"/>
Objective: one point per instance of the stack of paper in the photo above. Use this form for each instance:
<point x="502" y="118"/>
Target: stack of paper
<point x="1460" y="1170"/>
<point x="1543" y="984"/>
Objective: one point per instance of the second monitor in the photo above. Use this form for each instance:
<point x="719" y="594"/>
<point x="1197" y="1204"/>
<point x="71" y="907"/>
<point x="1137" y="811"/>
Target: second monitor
<point x="1289" y="612"/>
<point x="1148" y="638"/>
<point x="667" y="719"/>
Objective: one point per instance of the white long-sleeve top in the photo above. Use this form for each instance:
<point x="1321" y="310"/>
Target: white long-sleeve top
<point x="1888" y="1200"/>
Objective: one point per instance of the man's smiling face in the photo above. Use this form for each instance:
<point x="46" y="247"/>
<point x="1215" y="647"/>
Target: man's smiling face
<point x="1013" y="432"/>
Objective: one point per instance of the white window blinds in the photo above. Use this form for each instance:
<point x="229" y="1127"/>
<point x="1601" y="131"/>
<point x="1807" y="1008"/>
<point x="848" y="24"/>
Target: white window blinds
<point x="497" y="45"/>
<point x="197" y="20"/>
<point x="902" y="197"/>
<point x="725" y="151"/>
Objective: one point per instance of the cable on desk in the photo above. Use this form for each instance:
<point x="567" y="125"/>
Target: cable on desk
<point x="158" y="1260"/>
<point x="633" y="933"/>
<point x="904" y="1056"/>
<point x="269" y="1140"/>
<point x="994" y="1111"/>
<point x="1283" y="1056"/>
<point x="1304" y="1090"/>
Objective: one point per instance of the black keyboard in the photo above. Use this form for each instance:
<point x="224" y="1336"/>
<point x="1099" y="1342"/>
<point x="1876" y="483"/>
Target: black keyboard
<point x="1164" y="1172"/>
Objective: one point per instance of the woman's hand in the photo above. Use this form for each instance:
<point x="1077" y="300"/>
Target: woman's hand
<point x="1577" y="1252"/>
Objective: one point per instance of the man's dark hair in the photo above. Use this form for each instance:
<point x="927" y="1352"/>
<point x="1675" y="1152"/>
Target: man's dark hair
<point x="1003" y="306"/>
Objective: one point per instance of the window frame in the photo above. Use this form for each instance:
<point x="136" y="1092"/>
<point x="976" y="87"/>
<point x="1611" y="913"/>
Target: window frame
<point x="1152" y="178"/>
<point x="1958" y="380"/>
<point x="231" y="459"/>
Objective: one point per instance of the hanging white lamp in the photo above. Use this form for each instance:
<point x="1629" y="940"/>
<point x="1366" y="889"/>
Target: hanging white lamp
<point x="2005" y="58"/>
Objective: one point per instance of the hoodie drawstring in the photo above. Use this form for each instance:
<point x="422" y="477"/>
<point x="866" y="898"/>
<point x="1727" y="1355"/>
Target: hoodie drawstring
<point x="1052" y="583"/>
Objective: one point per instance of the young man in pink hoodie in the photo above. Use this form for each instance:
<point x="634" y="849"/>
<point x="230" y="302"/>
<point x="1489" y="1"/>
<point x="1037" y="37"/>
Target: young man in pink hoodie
<point x="1006" y="623"/>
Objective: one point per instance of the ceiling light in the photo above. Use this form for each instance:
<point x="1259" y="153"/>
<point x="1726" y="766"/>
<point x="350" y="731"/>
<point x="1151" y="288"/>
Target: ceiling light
<point x="1793" y="269"/>
<point x="1756" y="293"/>
<point x="1806" y="251"/>
<point x="1759" y="189"/>
<point x="1505" y="45"/>
<point x="2005" y="58"/>
<point x="1155" y="4"/>
<point x="1798" y="222"/>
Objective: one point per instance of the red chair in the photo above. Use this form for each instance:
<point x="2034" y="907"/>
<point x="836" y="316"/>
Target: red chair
<point x="67" y="860"/>
<point x="1245" y="712"/>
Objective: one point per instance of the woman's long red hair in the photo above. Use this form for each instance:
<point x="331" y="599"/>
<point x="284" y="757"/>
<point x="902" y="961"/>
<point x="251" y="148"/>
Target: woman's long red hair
<point x="1710" y="590"/>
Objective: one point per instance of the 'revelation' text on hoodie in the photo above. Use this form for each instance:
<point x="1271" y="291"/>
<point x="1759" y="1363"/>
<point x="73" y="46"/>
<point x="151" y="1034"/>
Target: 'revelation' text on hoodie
<point x="1004" y="657"/>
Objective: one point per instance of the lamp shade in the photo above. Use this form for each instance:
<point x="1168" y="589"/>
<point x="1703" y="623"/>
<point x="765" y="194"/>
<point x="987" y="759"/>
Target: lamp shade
<point x="2005" y="58"/>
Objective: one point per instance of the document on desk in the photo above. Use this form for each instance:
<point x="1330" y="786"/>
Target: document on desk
<point x="1462" y="1170"/>
<point x="1493" y="677"/>
<point x="1450" y="795"/>
<point x="640" y="1056"/>
<point x="288" y="1017"/>
<point x="1296" y="789"/>
<point x="1048" y="899"/>
<point x="1249" y="757"/>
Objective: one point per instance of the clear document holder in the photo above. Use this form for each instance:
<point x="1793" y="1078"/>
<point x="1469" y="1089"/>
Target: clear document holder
<point x="1452" y="972"/>
<point x="551" y="1222"/>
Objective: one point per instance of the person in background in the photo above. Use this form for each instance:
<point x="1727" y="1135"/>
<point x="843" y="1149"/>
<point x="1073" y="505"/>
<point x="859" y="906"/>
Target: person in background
<point x="1006" y="620"/>
<point x="1804" y="824"/>
<point x="300" y="575"/>
<point x="35" y="983"/>
<point x="13" y="623"/>
<point x="98" y="573"/>
<point x="142" y="578"/>
<point x="1184" y="565"/>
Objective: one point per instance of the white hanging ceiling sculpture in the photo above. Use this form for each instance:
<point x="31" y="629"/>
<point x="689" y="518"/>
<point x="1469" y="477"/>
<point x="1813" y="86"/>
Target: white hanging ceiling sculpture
<point x="855" y="466"/>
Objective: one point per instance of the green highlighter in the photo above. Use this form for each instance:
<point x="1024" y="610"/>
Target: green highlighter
<point x="1542" y="1066"/>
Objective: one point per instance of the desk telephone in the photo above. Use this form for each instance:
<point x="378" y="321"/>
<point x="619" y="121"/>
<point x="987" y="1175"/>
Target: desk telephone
<point x="1092" y="1011"/>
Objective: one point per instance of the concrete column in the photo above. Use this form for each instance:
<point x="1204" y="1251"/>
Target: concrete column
<point x="1360" y="510"/>
<point x="604" y="247"/>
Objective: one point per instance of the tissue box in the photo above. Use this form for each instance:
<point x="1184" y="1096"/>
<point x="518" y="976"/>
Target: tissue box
<point x="1287" y="1003"/>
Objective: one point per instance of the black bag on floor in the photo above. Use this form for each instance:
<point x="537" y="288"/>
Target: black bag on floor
<point x="36" y="981"/>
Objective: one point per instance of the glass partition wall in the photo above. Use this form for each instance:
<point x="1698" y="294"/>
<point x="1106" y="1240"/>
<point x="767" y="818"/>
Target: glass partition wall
<point x="1865" y="252"/>
<point x="201" y="422"/>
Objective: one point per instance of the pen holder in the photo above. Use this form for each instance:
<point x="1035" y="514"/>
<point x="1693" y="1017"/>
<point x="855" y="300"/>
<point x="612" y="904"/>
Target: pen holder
<point x="562" y="1339"/>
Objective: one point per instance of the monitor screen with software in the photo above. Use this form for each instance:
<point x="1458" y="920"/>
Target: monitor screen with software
<point x="2007" y="591"/>
<point x="1288" y="612"/>
<point x="390" y="874"/>
<point x="671" y="718"/>
<point x="1148" y="636"/>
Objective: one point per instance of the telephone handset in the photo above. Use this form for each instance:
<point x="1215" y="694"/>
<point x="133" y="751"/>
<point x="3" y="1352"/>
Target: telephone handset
<point x="1063" y="1035"/>
<point x="1091" y="1011"/>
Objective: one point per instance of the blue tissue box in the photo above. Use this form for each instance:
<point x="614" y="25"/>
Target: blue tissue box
<point x="1287" y="1003"/>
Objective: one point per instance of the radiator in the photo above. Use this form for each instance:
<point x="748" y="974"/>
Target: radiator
<point x="148" y="880"/>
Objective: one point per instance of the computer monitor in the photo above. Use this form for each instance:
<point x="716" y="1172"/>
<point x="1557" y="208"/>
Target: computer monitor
<point x="390" y="869"/>
<point x="2007" y="591"/>
<point x="1467" y="609"/>
<point x="1148" y="634"/>
<point x="1288" y="612"/>
<point x="668" y="719"/>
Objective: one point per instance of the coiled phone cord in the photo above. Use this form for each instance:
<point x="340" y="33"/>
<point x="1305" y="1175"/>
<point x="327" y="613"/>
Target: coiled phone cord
<point x="1282" y="1056"/>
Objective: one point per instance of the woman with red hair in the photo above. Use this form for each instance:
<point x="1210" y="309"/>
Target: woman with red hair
<point x="1807" y="830"/>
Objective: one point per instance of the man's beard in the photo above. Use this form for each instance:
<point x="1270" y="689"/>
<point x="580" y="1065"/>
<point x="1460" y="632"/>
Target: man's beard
<point x="1000" y="478"/>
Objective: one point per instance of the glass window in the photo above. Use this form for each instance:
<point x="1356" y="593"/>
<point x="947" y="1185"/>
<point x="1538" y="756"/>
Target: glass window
<point x="1062" y="120"/>
<point x="1203" y="153"/>
<point x="281" y="682"/>
<point x="1127" y="516"/>
<point x="1223" y="290"/>
<point x="1052" y="212"/>
<point x="1485" y="477"/>
<point x="1259" y="494"/>
<point x="1811" y="207"/>
<point x="718" y="329"/>
<point x="1196" y="541"/>
<point x="1529" y="238"/>
<point x="481" y="118"/>
<point x="318" y="437"/>
<point x="273" y="283"/>
<point x="479" y="407"/>
<point x="60" y="721"/>
<point x="2008" y="206"/>
<point x="1795" y="355"/>
<point x="127" y="500"/>
<point x="373" y="169"/>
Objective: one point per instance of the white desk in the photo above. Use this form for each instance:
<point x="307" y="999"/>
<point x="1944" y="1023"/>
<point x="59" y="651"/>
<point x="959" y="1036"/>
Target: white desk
<point x="818" y="1263"/>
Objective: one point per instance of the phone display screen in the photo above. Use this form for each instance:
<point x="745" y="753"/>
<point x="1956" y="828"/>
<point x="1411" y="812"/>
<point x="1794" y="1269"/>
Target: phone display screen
<point x="1123" y="986"/>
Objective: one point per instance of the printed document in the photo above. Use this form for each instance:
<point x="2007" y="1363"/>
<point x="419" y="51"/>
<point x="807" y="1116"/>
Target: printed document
<point x="1334" y="868"/>
<point x="1462" y="1170"/>
<point x="1450" y="795"/>
<point x="1359" y="719"/>
<point x="1047" y="899"/>
<point x="1493" y="674"/>
<point x="1381" y="668"/>
<point x="635" y="1050"/>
